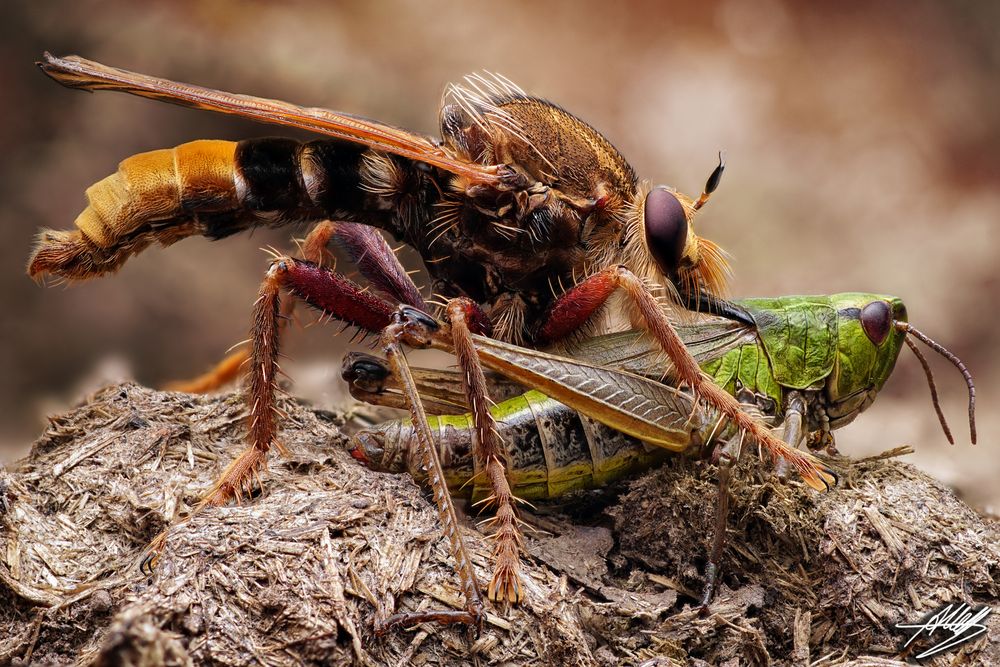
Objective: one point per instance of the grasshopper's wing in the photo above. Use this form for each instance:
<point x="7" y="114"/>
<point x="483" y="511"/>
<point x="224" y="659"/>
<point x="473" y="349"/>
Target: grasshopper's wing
<point x="638" y="406"/>
<point x="706" y="338"/>
<point x="76" y="72"/>
<point x="632" y="351"/>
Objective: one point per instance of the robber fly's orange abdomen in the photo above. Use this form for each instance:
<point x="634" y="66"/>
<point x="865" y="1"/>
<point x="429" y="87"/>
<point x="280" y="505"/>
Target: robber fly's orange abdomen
<point x="215" y="189"/>
<point x="160" y="185"/>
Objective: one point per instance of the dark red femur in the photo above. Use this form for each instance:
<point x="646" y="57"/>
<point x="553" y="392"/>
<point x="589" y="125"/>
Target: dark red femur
<point x="666" y="229"/>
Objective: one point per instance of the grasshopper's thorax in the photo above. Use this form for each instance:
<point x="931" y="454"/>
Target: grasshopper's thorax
<point x="837" y="351"/>
<point x="868" y="343"/>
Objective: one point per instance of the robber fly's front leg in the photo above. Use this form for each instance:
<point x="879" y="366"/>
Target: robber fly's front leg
<point x="578" y="304"/>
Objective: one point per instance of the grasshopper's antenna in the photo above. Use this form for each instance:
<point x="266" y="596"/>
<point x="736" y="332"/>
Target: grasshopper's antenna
<point x="930" y="383"/>
<point x="944" y="352"/>
<point x="713" y="182"/>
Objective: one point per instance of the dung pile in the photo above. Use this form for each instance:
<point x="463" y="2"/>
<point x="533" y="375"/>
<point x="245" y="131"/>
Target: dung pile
<point x="302" y="573"/>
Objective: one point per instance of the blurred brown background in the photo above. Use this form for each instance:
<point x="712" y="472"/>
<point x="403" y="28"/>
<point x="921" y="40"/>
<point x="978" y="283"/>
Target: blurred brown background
<point x="862" y="142"/>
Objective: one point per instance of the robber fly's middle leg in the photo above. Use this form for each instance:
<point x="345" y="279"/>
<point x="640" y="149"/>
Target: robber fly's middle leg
<point x="465" y="319"/>
<point x="368" y="382"/>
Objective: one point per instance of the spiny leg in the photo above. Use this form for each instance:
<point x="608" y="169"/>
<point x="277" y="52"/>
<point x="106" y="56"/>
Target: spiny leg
<point x="466" y="318"/>
<point x="333" y="295"/>
<point x="339" y="298"/>
<point x="369" y="381"/>
<point x="239" y="475"/>
<point x="578" y="304"/>
<point x="414" y="328"/>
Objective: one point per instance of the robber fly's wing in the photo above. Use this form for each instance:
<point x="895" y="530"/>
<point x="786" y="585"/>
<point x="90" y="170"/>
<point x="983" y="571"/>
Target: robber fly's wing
<point x="76" y="72"/>
<point x="707" y="338"/>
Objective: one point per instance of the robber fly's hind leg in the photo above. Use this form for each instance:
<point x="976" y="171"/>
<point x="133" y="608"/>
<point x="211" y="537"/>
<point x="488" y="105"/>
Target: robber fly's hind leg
<point x="321" y="288"/>
<point x="574" y="308"/>
<point x="314" y="248"/>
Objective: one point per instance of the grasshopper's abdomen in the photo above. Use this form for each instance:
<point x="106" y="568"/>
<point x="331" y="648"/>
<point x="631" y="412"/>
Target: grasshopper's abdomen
<point x="550" y="449"/>
<point x="207" y="188"/>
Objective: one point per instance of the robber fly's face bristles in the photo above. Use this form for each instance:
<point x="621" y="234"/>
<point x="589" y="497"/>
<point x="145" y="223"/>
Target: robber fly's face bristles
<point x="910" y="330"/>
<point x="712" y="270"/>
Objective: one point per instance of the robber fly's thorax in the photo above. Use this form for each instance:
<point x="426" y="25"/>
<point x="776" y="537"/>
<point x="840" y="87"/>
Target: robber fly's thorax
<point x="509" y="247"/>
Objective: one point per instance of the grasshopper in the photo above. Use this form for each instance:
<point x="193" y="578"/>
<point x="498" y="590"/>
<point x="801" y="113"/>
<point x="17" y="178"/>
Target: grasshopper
<point x="806" y="365"/>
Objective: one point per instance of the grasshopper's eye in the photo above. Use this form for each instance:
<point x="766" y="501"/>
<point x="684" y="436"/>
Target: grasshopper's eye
<point x="876" y="320"/>
<point x="666" y="229"/>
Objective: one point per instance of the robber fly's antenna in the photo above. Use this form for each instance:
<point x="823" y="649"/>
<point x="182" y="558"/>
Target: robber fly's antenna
<point x="713" y="182"/>
<point x="944" y="352"/>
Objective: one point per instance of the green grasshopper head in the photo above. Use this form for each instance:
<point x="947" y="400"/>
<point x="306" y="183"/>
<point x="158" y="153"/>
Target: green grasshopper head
<point x="871" y="330"/>
<point x="867" y="346"/>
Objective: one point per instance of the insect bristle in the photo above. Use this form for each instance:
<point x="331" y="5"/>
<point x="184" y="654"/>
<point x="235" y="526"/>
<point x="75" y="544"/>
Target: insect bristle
<point x="713" y="268"/>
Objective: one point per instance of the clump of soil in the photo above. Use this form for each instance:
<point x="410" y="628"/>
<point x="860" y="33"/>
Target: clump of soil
<point x="304" y="572"/>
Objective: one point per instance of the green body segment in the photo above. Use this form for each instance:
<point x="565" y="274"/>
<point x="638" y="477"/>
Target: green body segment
<point x="811" y="343"/>
<point x="815" y="345"/>
<point x="550" y="449"/>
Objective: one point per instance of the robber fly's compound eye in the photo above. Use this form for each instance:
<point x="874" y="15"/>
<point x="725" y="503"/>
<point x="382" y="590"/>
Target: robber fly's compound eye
<point x="876" y="320"/>
<point x="666" y="228"/>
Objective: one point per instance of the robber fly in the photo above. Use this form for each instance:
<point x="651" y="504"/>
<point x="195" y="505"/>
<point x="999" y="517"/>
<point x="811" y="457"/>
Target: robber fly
<point x="516" y="200"/>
